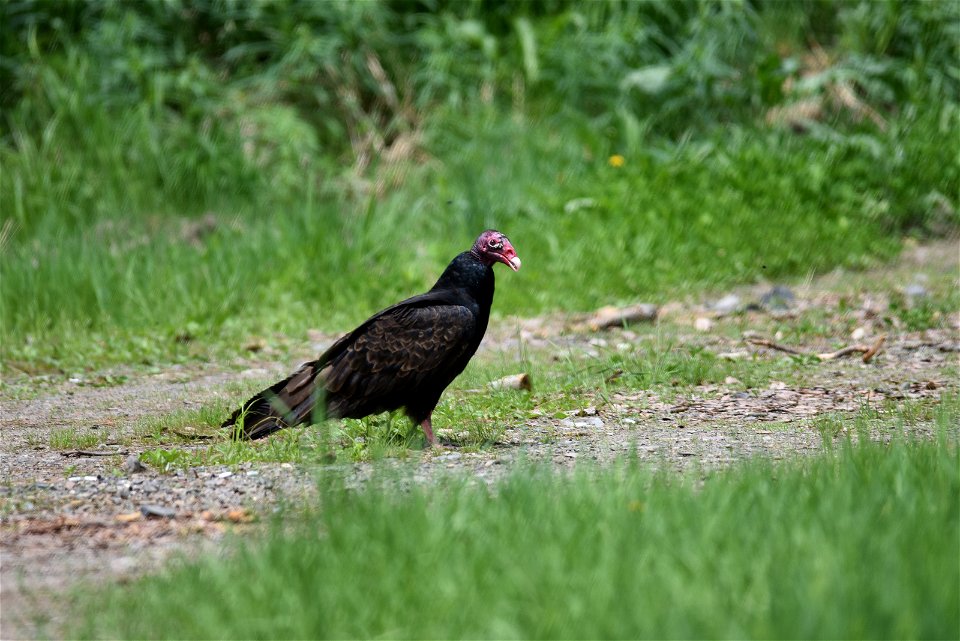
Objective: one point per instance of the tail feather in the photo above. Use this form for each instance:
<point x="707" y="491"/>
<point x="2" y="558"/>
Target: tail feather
<point x="289" y="402"/>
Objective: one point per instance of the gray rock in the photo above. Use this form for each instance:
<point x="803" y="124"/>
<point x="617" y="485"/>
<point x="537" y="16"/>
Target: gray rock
<point x="727" y="305"/>
<point x="778" y="298"/>
<point x="594" y="422"/>
<point x="133" y="465"/>
<point x="915" y="290"/>
<point x="157" y="511"/>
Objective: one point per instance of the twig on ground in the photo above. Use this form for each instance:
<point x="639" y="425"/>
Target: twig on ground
<point x="763" y="342"/>
<point x="517" y="381"/>
<point x="79" y="453"/>
<point x="868" y="351"/>
<point x="610" y="316"/>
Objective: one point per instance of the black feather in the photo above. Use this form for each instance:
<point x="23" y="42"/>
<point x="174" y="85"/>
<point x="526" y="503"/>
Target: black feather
<point x="404" y="356"/>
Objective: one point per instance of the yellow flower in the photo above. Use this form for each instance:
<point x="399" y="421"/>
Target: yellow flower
<point x="616" y="160"/>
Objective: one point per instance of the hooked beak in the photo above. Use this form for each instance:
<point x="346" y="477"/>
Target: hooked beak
<point x="509" y="256"/>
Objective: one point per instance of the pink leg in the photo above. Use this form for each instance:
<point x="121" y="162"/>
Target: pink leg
<point x="427" y="426"/>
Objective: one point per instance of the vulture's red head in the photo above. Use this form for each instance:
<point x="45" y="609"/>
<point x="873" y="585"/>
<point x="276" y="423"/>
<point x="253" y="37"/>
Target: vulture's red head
<point x="493" y="247"/>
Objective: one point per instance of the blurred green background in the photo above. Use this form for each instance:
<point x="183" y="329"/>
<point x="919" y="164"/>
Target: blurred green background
<point x="220" y="169"/>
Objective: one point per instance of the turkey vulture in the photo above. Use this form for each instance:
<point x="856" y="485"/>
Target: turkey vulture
<point x="403" y="356"/>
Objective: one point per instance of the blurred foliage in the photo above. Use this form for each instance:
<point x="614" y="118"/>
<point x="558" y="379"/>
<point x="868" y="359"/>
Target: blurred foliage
<point x="362" y="73"/>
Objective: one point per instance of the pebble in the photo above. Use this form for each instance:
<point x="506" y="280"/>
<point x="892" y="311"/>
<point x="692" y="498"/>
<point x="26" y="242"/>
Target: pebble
<point x="703" y="324"/>
<point x="730" y="380"/>
<point x="858" y="333"/>
<point x="158" y="511"/>
<point x="590" y="421"/>
<point x="728" y="304"/>
<point x="778" y="298"/>
<point x="133" y="465"/>
<point x="915" y="290"/>
<point x="734" y="356"/>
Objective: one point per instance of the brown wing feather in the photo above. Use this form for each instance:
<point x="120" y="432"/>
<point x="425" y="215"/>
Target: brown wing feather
<point x="398" y="356"/>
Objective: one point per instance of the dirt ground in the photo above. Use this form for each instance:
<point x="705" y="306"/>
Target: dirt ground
<point x="70" y="516"/>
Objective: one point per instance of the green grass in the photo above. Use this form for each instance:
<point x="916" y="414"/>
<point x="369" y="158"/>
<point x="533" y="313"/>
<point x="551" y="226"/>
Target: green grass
<point x="135" y="290"/>
<point x="859" y="542"/>
<point x="76" y="438"/>
<point x="178" y="182"/>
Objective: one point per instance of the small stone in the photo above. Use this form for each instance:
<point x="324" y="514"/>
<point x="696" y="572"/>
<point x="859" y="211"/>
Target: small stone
<point x="157" y="511"/>
<point x="583" y="423"/>
<point x="730" y="380"/>
<point x="727" y="305"/>
<point x="778" y="298"/>
<point x="734" y="356"/>
<point x="703" y="324"/>
<point x="224" y="475"/>
<point x="858" y="333"/>
<point x="915" y="290"/>
<point x="133" y="465"/>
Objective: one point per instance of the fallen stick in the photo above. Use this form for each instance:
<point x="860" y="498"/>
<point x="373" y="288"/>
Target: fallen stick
<point x="610" y="316"/>
<point x="763" y="342"/>
<point x="514" y="382"/>
<point x="868" y="351"/>
<point x="517" y="381"/>
<point x="79" y="453"/>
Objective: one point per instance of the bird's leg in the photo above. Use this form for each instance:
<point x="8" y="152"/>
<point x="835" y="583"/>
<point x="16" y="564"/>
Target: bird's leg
<point x="427" y="426"/>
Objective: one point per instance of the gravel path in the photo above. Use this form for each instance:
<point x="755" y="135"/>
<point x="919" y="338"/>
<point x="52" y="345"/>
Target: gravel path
<point x="69" y="517"/>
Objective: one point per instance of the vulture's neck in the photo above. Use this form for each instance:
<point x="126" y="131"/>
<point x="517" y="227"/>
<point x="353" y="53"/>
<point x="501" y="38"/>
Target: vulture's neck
<point x="467" y="272"/>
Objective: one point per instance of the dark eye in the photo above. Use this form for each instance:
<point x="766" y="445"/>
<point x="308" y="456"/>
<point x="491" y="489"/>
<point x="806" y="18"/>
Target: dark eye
<point x="496" y="244"/>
